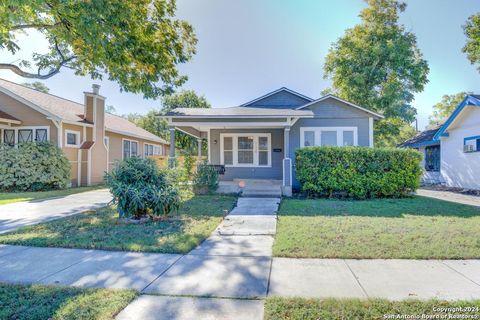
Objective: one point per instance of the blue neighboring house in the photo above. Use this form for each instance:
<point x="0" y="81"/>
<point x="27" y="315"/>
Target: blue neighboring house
<point x="452" y="150"/>
<point x="257" y="139"/>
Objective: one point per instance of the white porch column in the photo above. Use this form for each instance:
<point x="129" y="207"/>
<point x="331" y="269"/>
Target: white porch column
<point x="287" y="164"/>
<point x="199" y="146"/>
<point x="171" y="155"/>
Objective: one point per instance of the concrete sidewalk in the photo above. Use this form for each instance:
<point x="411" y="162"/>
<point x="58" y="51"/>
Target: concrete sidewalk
<point x="20" y="214"/>
<point x="450" y="196"/>
<point x="319" y="278"/>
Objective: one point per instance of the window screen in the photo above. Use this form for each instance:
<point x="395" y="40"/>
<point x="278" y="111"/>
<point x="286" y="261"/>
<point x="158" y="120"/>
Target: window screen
<point x="25" y="135"/>
<point x="308" y="138"/>
<point x="41" y="135"/>
<point x="329" y="138"/>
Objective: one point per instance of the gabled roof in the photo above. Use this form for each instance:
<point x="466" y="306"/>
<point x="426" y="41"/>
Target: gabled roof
<point x="470" y="100"/>
<point x="423" y="138"/>
<point x="331" y="96"/>
<point x="282" y="89"/>
<point x="63" y="109"/>
<point x="240" y="112"/>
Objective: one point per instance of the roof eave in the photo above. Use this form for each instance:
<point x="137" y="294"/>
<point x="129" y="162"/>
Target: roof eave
<point x="129" y="134"/>
<point x="467" y="101"/>
<point x="275" y="92"/>
<point x="375" y="115"/>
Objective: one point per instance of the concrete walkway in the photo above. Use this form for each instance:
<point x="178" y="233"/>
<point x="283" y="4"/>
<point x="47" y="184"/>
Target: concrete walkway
<point x="450" y="196"/>
<point x="229" y="275"/>
<point x="147" y="272"/>
<point x="20" y="214"/>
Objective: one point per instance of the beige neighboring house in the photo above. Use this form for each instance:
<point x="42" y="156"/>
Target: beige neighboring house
<point x="92" y="139"/>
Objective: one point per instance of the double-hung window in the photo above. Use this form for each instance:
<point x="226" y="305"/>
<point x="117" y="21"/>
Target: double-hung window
<point x="328" y="136"/>
<point x="246" y="150"/>
<point x="130" y="149"/>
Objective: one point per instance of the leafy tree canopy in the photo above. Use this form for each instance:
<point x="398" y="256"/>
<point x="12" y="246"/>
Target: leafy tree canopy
<point x="138" y="43"/>
<point x="151" y="122"/>
<point x="37" y="85"/>
<point x="377" y="64"/>
<point x="472" y="47"/>
<point x="184" y="99"/>
<point x="445" y="107"/>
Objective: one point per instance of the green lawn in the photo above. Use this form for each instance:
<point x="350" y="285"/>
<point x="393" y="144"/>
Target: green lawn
<point x="196" y="219"/>
<point x="11" y="197"/>
<point x="353" y="309"/>
<point x="410" y="228"/>
<point x="48" y="302"/>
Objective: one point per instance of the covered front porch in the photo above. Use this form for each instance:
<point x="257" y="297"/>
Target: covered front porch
<point x="251" y="147"/>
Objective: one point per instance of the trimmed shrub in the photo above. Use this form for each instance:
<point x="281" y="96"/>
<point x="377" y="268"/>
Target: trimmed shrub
<point x="205" y="179"/>
<point x="358" y="172"/>
<point x="140" y="188"/>
<point x="38" y="166"/>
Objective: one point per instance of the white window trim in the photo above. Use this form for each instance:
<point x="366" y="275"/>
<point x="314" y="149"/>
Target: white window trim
<point x="33" y="128"/>
<point x="138" y="147"/>
<point x="77" y="133"/>
<point x="318" y="133"/>
<point x="256" y="136"/>
<point x="153" y="145"/>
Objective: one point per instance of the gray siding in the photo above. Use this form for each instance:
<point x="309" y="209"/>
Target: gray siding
<point x="281" y="100"/>
<point x="273" y="172"/>
<point x="330" y="113"/>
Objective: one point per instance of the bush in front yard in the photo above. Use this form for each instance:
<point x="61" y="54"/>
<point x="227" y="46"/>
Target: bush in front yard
<point x="358" y="172"/>
<point x="139" y="188"/>
<point x="205" y="179"/>
<point x="33" y="167"/>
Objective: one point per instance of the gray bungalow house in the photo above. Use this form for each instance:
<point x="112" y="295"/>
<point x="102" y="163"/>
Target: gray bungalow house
<point x="258" y="139"/>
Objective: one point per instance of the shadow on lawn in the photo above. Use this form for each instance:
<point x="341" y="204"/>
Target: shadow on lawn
<point x="46" y="302"/>
<point x="390" y="208"/>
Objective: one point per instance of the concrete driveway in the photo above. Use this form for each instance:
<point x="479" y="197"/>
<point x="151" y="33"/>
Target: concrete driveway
<point x="20" y="214"/>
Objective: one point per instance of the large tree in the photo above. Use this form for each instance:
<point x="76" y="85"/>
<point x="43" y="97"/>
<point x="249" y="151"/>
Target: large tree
<point x="377" y="64"/>
<point x="472" y="47"/>
<point x="445" y="107"/>
<point x="151" y="122"/>
<point x="138" y="43"/>
<point x="184" y="99"/>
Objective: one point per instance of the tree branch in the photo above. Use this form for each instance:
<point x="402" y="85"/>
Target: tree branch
<point x="15" y="69"/>
<point x="33" y="26"/>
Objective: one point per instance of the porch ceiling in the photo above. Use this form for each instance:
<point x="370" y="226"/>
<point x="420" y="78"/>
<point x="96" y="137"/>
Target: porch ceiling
<point x="8" y="119"/>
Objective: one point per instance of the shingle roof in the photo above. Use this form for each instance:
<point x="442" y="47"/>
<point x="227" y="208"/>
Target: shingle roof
<point x="423" y="138"/>
<point x="72" y="111"/>
<point x="239" y="112"/>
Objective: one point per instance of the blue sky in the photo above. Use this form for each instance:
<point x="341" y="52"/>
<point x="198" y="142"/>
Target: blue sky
<point x="247" y="48"/>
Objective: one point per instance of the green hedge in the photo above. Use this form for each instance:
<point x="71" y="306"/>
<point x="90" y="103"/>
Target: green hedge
<point x="33" y="167"/>
<point x="358" y="172"/>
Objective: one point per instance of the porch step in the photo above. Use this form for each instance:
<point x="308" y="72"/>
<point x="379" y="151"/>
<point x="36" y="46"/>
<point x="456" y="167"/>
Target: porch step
<point x="262" y="192"/>
<point x="252" y="188"/>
